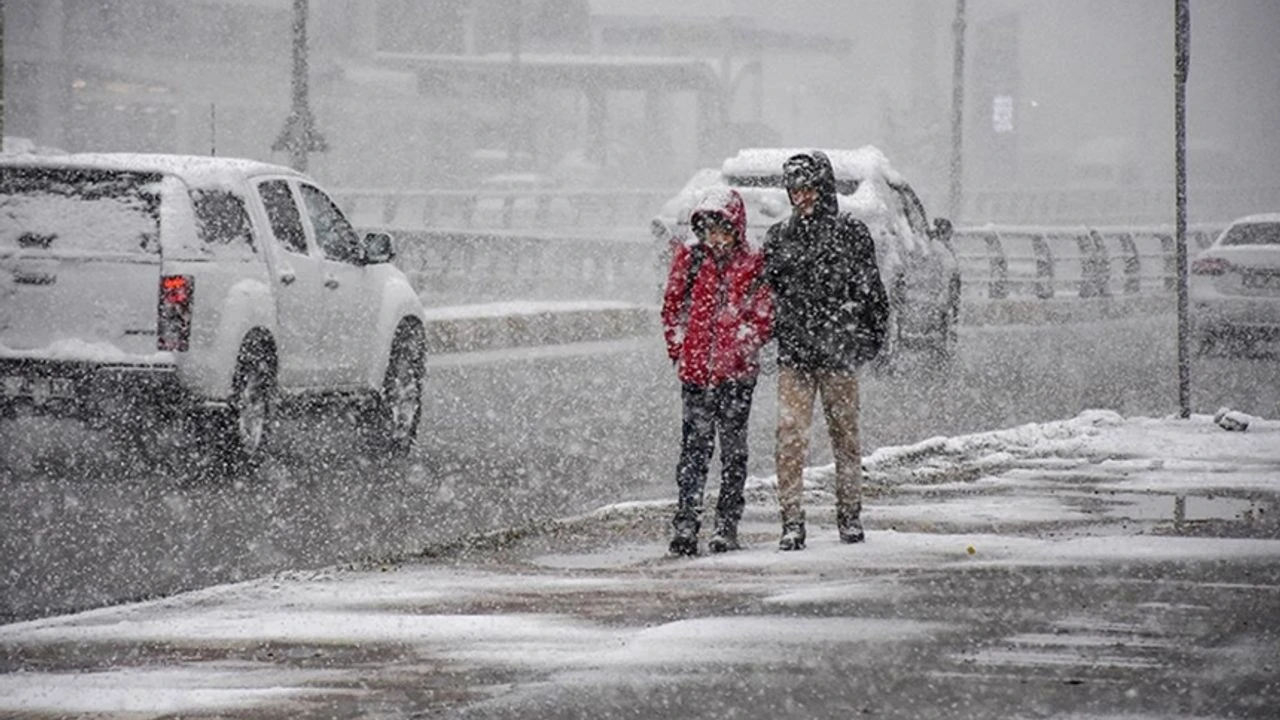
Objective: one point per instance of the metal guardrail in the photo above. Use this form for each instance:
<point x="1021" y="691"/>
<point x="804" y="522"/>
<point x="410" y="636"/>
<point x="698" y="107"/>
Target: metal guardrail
<point x="488" y="245"/>
<point x="589" y="211"/>
<point x="1009" y="274"/>
<point x="997" y="263"/>
<point x="485" y="246"/>
<point x="1003" y="262"/>
<point x="454" y="267"/>
<point x="1114" y="206"/>
<point x="584" y="211"/>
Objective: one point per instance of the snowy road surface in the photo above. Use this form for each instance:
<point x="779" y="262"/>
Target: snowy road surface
<point x="1098" y="567"/>
<point x="510" y="437"/>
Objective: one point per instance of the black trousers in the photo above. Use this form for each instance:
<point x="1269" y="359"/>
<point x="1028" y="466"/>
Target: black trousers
<point x="710" y="411"/>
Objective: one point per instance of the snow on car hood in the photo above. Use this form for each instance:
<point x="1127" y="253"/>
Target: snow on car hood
<point x="861" y="163"/>
<point x="874" y="201"/>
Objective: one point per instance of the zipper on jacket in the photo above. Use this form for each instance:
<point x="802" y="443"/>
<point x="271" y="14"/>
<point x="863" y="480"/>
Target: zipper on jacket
<point x="721" y="299"/>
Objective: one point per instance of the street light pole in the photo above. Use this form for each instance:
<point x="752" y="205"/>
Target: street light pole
<point x="1182" y="67"/>
<point x="515" y="89"/>
<point x="299" y="135"/>
<point x="1" y="75"/>
<point x="957" y="115"/>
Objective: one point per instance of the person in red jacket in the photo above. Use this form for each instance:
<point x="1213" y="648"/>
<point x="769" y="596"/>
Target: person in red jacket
<point x="716" y="315"/>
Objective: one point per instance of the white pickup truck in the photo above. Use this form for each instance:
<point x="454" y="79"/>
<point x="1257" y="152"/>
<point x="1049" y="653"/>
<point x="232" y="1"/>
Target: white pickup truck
<point x="187" y="299"/>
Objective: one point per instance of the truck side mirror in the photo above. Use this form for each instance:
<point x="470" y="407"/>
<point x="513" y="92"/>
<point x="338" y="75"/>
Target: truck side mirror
<point x="942" y="229"/>
<point x="378" y="248"/>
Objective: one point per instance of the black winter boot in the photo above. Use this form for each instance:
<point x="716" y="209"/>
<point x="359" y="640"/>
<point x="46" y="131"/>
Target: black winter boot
<point x="725" y="537"/>
<point x="792" y="536"/>
<point x="685" y="540"/>
<point x="850" y="527"/>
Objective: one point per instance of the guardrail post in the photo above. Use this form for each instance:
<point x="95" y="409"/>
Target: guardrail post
<point x="615" y="210"/>
<point x="1095" y="266"/>
<point x="430" y="208"/>
<point x="390" y="204"/>
<point x="1103" y="259"/>
<point x="1044" y="267"/>
<point x="1132" y="265"/>
<point x="508" y="209"/>
<point x="542" y="209"/>
<point x="998" y="288"/>
<point x="1170" y="262"/>
<point x="469" y="204"/>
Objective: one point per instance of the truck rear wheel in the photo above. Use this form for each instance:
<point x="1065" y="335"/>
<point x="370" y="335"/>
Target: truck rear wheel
<point x="948" y="341"/>
<point x="391" y="422"/>
<point x="244" y="433"/>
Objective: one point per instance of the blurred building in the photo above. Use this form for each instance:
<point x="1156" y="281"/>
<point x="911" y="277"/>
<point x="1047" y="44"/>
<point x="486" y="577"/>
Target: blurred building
<point x="636" y="93"/>
<point x="407" y="93"/>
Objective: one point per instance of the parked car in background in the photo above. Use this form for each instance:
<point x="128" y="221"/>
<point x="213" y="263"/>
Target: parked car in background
<point x="1235" y="287"/>
<point x="182" y="300"/>
<point x="917" y="262"/>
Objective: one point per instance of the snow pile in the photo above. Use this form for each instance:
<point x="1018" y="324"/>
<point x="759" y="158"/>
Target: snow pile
<point x="944" y="458"/>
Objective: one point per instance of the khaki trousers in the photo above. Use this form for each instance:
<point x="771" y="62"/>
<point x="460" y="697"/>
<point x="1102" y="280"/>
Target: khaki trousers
<point x="796" y="392"/>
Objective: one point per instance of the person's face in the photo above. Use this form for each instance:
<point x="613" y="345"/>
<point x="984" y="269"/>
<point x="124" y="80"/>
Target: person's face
<point x="804" y="199"/>
<point x="718" y="236"/>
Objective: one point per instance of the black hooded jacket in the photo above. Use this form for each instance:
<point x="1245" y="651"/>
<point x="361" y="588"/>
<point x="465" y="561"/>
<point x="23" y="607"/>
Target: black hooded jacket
<point x="831" y="310"/>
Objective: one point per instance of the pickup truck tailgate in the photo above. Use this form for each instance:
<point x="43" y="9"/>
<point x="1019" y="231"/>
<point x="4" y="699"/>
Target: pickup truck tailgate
<point x="80" y="263"/>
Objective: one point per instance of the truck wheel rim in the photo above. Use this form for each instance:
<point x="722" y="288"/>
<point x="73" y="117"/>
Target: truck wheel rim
<point x="252" y="413"/>
<point x="403" y="397"/>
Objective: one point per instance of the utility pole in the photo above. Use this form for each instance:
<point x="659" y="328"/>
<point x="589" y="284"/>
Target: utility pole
<point x="299" y="135"/>
<point x="515" y="94"/>
<point x="1" y="75"/>
<point x="1182" y="67"/>
<point x="957" y="115"/>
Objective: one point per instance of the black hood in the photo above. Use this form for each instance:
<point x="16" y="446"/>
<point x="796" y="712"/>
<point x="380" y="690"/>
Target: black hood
<point x="814" y="167"/>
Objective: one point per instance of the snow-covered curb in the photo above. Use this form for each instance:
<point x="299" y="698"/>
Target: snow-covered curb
<point x="494" y="326"/>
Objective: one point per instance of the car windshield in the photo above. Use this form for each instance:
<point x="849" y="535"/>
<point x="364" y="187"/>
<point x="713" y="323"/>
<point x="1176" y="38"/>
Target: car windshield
<point x="1262" y="233"/>
<point x="78" y="209"/>
<point x="844" y="186"/>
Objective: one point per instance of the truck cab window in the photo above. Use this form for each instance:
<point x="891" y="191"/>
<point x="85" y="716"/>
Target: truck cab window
<point x="335" y="236"/>
<point x="221" y="219"/>
<point x="282" y="211"/>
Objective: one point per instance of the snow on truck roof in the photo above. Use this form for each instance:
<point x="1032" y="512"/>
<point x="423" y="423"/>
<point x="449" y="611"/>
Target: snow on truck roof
<point x="195" y="169"/>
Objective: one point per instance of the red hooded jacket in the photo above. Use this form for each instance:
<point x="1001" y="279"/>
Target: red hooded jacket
<point x="715" y="328"/>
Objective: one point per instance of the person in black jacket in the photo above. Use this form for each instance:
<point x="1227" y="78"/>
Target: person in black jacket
<point x="831" y="317"/>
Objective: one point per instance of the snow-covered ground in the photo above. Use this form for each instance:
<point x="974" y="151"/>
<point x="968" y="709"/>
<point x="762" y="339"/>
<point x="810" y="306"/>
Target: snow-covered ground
<point x="573" y="601"/>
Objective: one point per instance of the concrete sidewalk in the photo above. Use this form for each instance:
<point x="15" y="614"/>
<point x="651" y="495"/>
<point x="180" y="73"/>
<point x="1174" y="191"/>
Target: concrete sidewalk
<point x="1093" y="568"/>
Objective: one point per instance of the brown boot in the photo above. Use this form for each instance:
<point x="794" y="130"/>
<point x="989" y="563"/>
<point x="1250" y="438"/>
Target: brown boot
<point x="850" y="527"/>
<point x="792" y="536"/>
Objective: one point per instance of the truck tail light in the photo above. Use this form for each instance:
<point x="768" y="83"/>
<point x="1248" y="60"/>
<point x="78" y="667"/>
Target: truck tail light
<point x="173" y="318"/>
<point x="1210" y="266"/>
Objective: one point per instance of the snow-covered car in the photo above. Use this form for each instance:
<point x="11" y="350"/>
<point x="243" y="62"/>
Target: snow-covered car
<point x="917" y="261"/>
<point x="1235" y="287"/>
<point x="185" y="300"/>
